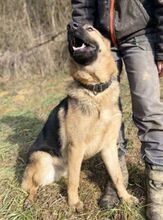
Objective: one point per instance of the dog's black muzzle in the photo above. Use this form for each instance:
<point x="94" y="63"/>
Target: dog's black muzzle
<point x="83" y="48"/>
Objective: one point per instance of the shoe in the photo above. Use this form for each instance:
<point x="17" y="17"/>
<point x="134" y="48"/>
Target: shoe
<point x="110" y="198"/>
<point x="154" y="184"/>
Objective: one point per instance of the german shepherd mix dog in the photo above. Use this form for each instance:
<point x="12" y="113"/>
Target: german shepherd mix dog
<point x="85" y="123"/>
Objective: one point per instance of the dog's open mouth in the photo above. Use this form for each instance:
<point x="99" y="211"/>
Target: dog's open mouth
<point x="79" y="45"/>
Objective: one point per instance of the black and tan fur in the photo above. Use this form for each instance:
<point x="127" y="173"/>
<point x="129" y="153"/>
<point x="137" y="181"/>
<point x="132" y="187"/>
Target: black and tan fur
<point x="82" y="125"/>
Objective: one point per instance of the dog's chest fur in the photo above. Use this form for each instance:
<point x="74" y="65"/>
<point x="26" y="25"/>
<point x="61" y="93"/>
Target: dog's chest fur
<point x="89" y="120"/>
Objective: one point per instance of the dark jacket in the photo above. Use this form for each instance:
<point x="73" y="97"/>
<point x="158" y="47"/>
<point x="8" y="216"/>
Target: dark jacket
<point x="122" y="19"/>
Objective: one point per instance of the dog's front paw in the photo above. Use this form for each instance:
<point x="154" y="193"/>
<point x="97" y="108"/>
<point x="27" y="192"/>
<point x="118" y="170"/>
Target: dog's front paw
<point x="77" y="207"/>
<point x="134" y="200"/>
<point x="131" y="200"/>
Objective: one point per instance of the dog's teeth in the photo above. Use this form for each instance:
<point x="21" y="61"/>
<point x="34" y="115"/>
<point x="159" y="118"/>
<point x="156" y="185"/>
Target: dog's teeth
<point x="79" y="48"/>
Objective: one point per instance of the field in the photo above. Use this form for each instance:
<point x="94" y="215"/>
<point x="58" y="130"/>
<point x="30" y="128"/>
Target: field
<point x="29" y="89"/>
<point x="25" y="104"/>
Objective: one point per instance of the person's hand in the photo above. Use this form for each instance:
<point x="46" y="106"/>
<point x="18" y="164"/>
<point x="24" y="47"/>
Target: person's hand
<point x="160" y="68"/>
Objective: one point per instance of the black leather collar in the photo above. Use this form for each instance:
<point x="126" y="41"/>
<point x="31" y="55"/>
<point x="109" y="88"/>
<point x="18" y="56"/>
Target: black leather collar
<point x="100" y="87"/>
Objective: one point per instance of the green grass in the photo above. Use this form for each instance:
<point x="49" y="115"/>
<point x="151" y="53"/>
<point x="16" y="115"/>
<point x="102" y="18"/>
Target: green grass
<point x="25" y="104"/>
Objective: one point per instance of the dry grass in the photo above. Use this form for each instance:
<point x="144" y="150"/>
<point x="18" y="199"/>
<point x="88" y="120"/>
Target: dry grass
<point x="25" y="105"/>
<point x="26" y="23"/>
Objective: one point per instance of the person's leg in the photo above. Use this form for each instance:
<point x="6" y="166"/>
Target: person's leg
<point x="138" y="56"/>
<point x="145" y="93"/>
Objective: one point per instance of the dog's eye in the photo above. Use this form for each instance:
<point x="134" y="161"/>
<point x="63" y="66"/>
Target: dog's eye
<point x="89" y="29"/>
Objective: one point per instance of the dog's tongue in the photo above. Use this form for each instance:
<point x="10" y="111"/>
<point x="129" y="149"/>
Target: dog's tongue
<point x="79" y="48"/>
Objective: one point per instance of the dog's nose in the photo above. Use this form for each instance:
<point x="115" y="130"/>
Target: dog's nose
<point x="73" y="25"/>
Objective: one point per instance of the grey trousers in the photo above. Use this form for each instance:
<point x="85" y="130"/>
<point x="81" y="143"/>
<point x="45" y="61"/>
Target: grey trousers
<point x="138" y="55"/>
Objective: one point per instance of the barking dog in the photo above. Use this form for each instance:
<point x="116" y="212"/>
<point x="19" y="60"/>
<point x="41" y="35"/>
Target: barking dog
<point x="85" y="123"/>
